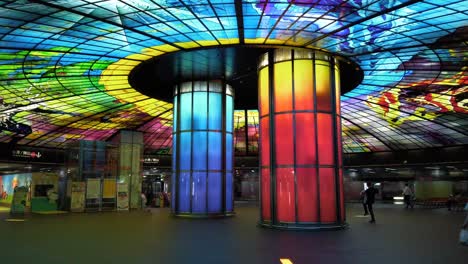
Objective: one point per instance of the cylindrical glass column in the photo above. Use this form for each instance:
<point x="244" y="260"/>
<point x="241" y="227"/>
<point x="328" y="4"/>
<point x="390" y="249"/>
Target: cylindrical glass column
<point x="300" y="140"/>
<point x="202" y="149"/>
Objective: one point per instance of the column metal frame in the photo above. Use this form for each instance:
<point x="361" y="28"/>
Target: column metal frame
<point x="223" y="170"/>
<point x="297" y="225"/>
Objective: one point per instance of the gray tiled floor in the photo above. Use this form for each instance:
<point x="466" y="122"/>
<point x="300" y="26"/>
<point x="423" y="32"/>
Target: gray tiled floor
<point x="400" y="236"/>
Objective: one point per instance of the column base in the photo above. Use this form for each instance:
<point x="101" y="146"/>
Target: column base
<point x="199" y="215"/>
<point x="304" y="226"/>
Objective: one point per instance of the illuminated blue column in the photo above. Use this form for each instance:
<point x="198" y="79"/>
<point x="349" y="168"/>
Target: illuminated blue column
<point x="202" y="155"/>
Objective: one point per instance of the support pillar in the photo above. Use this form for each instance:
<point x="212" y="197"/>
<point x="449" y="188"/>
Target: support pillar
<point x="300" y="141"/>
<point x="130" y="156"/>
<point x="202" y="155"/>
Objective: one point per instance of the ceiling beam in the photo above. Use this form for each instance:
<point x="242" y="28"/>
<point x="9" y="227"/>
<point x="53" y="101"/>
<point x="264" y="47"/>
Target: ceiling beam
<point x="240" y="21"/>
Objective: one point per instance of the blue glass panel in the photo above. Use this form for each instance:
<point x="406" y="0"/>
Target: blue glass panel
<point x="174" y="128"/>
<point x="186" y="111"/>
<point x="200" y="150"/>
<point x="214" y="115"/>
<point x="229" y="154"/>
<point x="214" y="192"/>
<point x="185" y="147"/>
<point x="229" y="205"/>
<point x="100" y="157"/>
<point x="229" y="113"/>
<point x="173" y="190"/>
<point x="199" y="192"/>
<point x="214" y="150"/>
<point x="184" y="192"/>
<point x="174" y="152"/>
<point x="200" y="110"/>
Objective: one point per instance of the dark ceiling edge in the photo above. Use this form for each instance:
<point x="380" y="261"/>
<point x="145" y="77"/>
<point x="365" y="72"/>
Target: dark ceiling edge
<point x="425" y="156"/>
<point x="346" y="64"/>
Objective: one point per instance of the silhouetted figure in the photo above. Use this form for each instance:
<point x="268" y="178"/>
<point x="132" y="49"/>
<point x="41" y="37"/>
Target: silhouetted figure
<point x="450" y="202"/>
<point x="407" y="195"/>
<point x="370" y="199"/>
<point x="363" y="201"/>
<point x="464" y="231"/>
<point x="149" y="197"/>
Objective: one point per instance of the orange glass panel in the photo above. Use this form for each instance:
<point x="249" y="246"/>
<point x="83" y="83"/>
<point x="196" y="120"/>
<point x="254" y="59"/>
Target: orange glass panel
<point x="265" y="141"/>
<point x="339" y="141"/>
<point x="266" y="210"/>
<point x="284" y="139"/>
<point x="285" y="195"/>
<point x="305" y="139"/>
<point x="327" y="195"/>
<point x="283" y="86"/>
<point x="325" y="139"/>
<point x="263" y="84"/>
<point x="323" y="86"/>
<point x="307" y="204"/>
<point x="337" y="90"/>
<point x="303" y="85"/>
<point x="342" y="208"/>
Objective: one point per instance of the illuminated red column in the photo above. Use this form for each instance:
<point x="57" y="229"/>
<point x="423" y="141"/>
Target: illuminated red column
<point x="300" y="140"/>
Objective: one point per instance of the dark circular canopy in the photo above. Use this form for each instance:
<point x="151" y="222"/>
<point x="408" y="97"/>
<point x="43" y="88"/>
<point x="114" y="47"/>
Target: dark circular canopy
<point x="236" y="65"/>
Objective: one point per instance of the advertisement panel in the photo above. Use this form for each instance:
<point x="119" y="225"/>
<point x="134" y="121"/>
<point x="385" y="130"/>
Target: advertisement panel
<point x="20" y="196"/>
<point x="93" y="188"/>
<point x="109" y="189"/>
<point x="77" y="196"/>
<point x="122" y="197"/>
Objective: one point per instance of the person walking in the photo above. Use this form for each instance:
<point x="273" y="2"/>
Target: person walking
<point x="407" y="196"/>
<point x="143" y="202"/>
<point x="464" y="230"/>
<point x="363" y="201"/>
<point x="370" y="199"/>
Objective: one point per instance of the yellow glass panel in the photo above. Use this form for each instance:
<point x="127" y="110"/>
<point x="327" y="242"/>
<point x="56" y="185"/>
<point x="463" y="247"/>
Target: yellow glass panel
<point x="323" y="86"/>
<point x="283" y="86"/>
<point x="263" y="85"/>
<point x="303" y="85"/>
<point x="337" y="90"/>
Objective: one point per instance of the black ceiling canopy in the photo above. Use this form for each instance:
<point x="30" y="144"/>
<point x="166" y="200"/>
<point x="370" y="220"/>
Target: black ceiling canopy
<point x="237" y="65"/>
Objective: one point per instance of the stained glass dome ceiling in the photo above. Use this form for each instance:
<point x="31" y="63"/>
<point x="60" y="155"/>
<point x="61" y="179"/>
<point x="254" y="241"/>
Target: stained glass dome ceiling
<point x="64" y="65"/>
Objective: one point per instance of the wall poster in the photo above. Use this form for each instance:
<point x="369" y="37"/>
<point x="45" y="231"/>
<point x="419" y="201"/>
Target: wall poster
<point x="78" y="196"/>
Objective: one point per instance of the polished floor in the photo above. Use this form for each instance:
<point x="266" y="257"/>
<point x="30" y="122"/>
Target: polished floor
<point x="399" y="236"/>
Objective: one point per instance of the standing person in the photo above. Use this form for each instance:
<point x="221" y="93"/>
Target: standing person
<point x="363" y="201"/>
<point x="149" y="197"/>
<point x="464" y="230"/>
<point x="370" y="199"/>
<point x="450" y="202"/>
<point x="408" y="195"/>
<point x="143" y="202"/>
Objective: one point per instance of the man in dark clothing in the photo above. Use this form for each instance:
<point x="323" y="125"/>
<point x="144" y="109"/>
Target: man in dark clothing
<point x="370" y="199"/>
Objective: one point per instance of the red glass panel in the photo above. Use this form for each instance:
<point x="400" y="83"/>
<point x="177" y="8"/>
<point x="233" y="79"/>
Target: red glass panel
<point x="325" y="139"/>
<point x="323" y="90"/>
<point x="266" y="212"/>
<point x="285" y="195"/>
<point x="265" y="141"/>
<point x="263" y="84"/>
<point x="342" y="207"/>
<point x="283" y="86"/>
<point x="284" y="139"/>
<point x="303" y="85"/>
<point x="305" y="139"/>
<point x="307" y="204"/>
<point x="339" y="140"/>
<point x="327" y="195"/>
